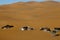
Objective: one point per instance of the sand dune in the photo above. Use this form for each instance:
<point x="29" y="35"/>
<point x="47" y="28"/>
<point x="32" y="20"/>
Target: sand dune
<point x="35" y="14"/>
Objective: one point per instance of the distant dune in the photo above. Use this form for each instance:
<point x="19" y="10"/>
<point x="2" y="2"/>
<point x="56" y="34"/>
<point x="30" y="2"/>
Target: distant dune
<point x="35" y="14"/>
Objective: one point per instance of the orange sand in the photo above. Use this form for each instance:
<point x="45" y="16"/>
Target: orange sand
<point x="35" y="14"/>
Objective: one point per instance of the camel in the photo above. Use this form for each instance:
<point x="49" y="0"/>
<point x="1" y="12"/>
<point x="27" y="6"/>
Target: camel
<point x="7" y="27"/>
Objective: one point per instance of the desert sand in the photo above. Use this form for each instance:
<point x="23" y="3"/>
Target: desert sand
<point x="34" y="14"/>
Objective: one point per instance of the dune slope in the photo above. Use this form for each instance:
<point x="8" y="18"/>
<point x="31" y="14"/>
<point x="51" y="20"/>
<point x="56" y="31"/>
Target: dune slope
<point x="35" y="14"/>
